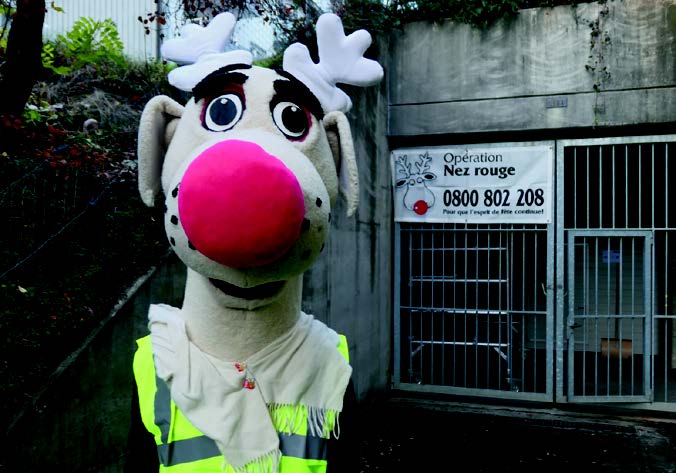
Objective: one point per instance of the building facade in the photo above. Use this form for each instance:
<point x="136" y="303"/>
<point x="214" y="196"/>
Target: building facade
<point x="515" y="238"/>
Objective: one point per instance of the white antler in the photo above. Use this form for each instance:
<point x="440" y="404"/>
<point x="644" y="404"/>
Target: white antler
<point x="340" y="61"/>
<point x="423" y="163"/>
<point x="404" y="166"/>
<point x="202" y="49"/>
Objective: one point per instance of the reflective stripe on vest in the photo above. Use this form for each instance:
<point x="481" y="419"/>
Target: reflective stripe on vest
<point x="194" y="452"/>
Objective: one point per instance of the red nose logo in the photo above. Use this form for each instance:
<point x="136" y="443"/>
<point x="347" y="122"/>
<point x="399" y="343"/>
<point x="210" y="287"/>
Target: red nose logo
<point x="240" y="206"/>
<point x="420" y="207"/>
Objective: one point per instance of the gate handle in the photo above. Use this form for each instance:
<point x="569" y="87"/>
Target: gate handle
<point x="575" y="325"/>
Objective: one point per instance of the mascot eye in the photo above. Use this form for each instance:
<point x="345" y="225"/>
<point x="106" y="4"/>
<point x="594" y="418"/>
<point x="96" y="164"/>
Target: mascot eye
<point x="223" y="112"/>
<point x="291" y="120"/>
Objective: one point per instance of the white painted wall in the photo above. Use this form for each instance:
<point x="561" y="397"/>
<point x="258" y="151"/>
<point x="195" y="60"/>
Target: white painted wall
<point x="250" y="33"/>
<point x="124" y="13"/>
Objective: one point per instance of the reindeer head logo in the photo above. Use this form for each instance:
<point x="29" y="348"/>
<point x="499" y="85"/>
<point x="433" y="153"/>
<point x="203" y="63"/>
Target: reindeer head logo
<point x="417" y="198"/>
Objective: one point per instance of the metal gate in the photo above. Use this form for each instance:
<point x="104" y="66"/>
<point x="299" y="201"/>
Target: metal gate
<point x="609" y="316"/>
<point x="615" y="272"/>
<point x="475" y="304"/>
<point x="474" y="308"/>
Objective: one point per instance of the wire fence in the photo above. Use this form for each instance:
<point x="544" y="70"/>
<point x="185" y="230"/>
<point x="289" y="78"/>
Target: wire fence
<point x="73" y="239"/>
<point x="38" y="202"/>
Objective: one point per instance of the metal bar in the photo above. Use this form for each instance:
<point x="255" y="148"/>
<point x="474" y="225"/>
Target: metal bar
<point x="470" y="392"/>
<point x="465" y="302"/>
<point x="500" y="308"/>
<point x="652" y="184"/>
<point x="666" y="185"/>
<point x="410" y="300"/>
<point x="585" y="292"/>
<point x="626" y="186"/>
<point x="461" y="343"/>
<point x="550" y="293"/>
<point x="574" y="186"/>
<point x="633" y="307"/>
<point x="640" y="191"/>
<point x="476" y="306"/>
<point x="608" y="310"/>
<point x="619" y="313"/>
<point x="571" y="315"/>
<point x="607" y="232"/>
<point x="535" y="305"/>
<point x="587" y="196"/>
<point x="488" y="306"/>
<point x="666" y="361"/>
<point x="422" y="271"/>
<point x="600" y="187"/>
<point x="510" y="317"/>
<point x="452" y="310"/>
<point x="620" y="140"/>
<point x="596" y="320"/>
<point x="397" y="303"/>
<point x="523" y="306"/>
<point x="443" y="303"/>
<point x="666" y="308"/>
<point x="451" y="249"/>
<point x="610" y="398"/>
<point x="432" y="315"/>
<point x="652" y="304"/>
<point x="559" y="274"/>
<point x="612" y="157"/>
<point x="455" y="226"/>
<point x="473" y="280"/>
<point x="494" y="230"/>
<point x="647" y="326"/>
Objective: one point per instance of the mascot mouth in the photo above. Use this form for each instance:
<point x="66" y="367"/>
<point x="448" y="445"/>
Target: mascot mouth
<point x="262" y="291"/>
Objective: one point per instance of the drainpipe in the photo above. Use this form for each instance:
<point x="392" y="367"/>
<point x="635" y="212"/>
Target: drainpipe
<point x="158" y="39"/>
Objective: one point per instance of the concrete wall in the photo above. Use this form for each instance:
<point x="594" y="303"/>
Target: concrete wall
<point x="539" y="71"/>
<point x="350" y="286"/>
<point x="81" y="421"/>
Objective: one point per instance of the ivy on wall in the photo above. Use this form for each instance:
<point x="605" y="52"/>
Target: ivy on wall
<point x="380" y="17"/>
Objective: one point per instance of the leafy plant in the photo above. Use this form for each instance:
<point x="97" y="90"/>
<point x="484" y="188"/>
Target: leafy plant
<point x="48" y="56"/>
<point x="39" y="112"/>
<point x="92" y="42"/>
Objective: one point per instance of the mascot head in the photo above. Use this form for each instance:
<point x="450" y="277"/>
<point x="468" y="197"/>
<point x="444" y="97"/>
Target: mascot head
<point x="252" y="165"/>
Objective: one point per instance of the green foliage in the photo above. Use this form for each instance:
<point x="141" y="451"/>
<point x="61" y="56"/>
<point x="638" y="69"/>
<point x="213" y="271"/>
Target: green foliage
<point x="92" y="42"/>
<point x="55" y="7"/>
<point x="48" y="57"/>
<point x="271" y="62"/>
<point x="39" y="112"/>
<point x="479" y="13"/>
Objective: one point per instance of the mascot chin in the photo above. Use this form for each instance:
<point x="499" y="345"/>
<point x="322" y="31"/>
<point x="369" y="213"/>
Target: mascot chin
<point x="239" y="379"/>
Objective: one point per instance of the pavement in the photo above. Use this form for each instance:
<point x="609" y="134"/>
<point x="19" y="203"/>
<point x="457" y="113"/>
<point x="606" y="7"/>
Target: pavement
<point x="402" y="434"/>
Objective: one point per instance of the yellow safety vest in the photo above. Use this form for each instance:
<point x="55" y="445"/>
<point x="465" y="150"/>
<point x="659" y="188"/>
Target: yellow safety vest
<point x="184" y="449"/>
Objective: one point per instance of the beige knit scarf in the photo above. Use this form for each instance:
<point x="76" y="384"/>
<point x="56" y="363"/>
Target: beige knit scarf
<point x="232" y="401"/>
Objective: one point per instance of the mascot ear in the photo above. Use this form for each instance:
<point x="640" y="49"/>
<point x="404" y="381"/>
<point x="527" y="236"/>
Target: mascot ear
<point x="156" y="129"/>
<point x="340" y="140"/>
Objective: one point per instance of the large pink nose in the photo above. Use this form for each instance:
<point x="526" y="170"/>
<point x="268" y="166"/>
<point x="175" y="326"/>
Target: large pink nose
<point x="240" y="206"/>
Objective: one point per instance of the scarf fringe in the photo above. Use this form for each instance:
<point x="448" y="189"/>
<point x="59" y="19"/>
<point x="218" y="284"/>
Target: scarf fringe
<point x="266" y="463"/>
<point x="321" y="422"/>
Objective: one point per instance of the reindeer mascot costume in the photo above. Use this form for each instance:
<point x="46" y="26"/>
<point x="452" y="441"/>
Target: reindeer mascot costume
<point x="239" y="379"/>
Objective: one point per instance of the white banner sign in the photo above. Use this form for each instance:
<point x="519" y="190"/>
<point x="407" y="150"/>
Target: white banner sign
<point x="473" y="184"/>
